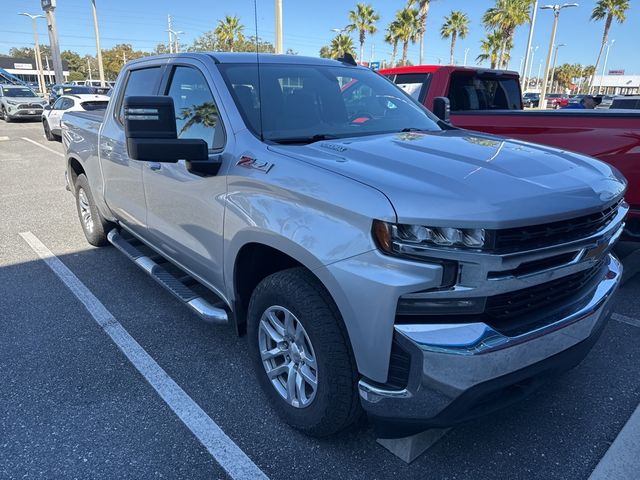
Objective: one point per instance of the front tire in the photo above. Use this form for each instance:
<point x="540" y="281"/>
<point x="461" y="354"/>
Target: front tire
<point x="5" y="115"/>
<point x="301" y="353"/>
<point x="94" y="226"/>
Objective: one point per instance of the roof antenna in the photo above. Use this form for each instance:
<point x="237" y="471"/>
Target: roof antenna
<point x="255" y="16"/>
<point x="347" y="58"/>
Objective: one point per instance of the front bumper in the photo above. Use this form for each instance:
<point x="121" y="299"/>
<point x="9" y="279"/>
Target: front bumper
<point x="25" y="113"/>
<point x="460" y="371"/>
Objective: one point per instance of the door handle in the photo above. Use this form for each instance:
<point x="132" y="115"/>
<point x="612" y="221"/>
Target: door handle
<point x="155" y="166"/>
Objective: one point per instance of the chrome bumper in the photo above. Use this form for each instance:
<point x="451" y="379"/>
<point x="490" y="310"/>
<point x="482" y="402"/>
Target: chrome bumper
<point x="454" y="358"/>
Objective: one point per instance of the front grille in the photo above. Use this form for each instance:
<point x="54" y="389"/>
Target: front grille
<point x="538" y="236"/>
<point x="507" y="311"/>
<point x="30" y="106"/>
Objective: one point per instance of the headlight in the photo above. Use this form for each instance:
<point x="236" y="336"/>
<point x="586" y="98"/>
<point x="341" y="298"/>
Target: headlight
<point x="12" y="102"/>
<point x="392" y="236"/>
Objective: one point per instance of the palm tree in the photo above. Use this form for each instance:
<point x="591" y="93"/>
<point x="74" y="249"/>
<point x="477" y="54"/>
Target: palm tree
<point x="491" y="48"/>
<point x="423" y="13"/>
<point x="506" y="16"/>
<point x="455" y="25"/>
<point x="608" y="10"/>
<point x="392" y="38"/>
<point x="228" y="32"/>
<point x="363" y="20"/>
<point x="340" y="45"/>
<point x="587" y="75"/>
<point x="407" y="25"/>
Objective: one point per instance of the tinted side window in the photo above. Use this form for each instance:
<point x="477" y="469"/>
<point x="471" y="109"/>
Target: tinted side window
<point x="58" y="104"/>
<point x="140" y="82"/>
<point x="197" y="114"/>
<point x="469" y="92"/>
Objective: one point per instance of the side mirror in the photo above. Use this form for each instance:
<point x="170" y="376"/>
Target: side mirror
<point x="48" y="107"/>
<point x="150" y="130"/>
<point x="442" y="108"/>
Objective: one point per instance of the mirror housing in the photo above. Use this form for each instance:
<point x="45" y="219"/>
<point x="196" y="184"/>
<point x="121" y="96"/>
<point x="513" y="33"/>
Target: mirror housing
<point x="442" y="108"/>
<point x="150" y="130"/>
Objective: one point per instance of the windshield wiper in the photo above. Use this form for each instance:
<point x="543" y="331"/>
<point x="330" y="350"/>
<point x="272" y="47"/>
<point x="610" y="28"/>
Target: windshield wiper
<point x="412" y="129"/>
<point x="303" y="140"/>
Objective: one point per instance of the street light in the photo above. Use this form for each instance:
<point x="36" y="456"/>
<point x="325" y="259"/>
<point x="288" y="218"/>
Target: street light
<point x="41" y="82"/>
<point x="533" y="53"/>
<point x="466" y="52"/>
<point x="278" y="7"/>
<point x="604" y="67"/>
<point x="556" y="14"/>
<point x="98" y="49"/>
<point x="555" y="57"/>
<point x="529" y="41"/>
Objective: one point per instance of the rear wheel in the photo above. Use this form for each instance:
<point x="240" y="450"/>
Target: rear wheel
<point x="47" y="131"/>
<point x="301" y="353"/>
<point x="94" y="226"/>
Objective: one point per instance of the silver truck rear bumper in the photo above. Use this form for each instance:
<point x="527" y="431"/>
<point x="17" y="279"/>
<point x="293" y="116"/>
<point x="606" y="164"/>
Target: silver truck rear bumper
<point x="457" y="368"/>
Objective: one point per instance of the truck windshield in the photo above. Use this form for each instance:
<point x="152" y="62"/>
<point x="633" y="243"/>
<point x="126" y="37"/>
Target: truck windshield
<point x="18" y="92"/>
<point x="307" y="103"/>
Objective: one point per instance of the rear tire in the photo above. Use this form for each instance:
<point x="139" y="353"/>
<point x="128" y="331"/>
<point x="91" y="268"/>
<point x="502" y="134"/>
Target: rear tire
<point x="94" y="226"/>
<point x="296" y="297"/>
<point x="47" y="131"/>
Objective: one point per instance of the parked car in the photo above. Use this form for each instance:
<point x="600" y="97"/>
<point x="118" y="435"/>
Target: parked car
<point x="52" y="114"/>
<point x="557" y="100"/>
<point x="59" y="90"/>
<point x="531" y="100"/>
<point x="626" y="103"/>
<point x="17" y="101"/>
<point x="605" y="101"/>
<point x="490" y="101"/>
<point x="375" y="256"/>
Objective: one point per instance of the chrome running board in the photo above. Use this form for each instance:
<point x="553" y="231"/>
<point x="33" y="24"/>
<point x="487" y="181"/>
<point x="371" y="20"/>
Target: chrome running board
<point x="203" y="308"/>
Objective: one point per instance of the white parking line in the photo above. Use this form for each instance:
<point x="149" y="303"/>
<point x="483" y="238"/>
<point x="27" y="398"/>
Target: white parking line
<point x="625" y="319"/>
<point x="230" y="457"/>
<point x="622" y="460"/>
<point x="41" y="146"/>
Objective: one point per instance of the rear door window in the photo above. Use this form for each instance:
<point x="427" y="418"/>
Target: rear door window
<point x="140" y="82"/>
<point x="483" y="92"/>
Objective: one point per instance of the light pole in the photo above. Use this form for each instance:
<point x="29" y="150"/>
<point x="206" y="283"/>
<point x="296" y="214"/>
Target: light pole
<point x="604" y="67"/>
<point x="556" y="14"/>
<point x="279" y="49"/>
<point x="98" y="50"/>
<point x="49" y="7"/>
<point x="466" y="52"/>
<point x="176" y="40"/>
<point x="41" y="82"/>
<point x="169" y="29"/>
<point x="526" y="57"/>
<point x="555" y="57"/>
<point x="533" y="53"/>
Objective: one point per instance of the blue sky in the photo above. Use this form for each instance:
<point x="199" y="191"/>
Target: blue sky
<point x="308" y="24"/>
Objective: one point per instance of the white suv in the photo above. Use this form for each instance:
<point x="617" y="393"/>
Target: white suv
<point x="52" y="115"/>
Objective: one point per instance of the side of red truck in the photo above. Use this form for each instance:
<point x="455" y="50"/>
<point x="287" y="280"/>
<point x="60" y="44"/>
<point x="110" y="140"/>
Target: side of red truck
<point x="491" y="101"/>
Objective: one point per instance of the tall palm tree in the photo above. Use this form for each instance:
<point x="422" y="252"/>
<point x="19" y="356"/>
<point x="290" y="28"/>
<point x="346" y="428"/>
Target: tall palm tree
<point x="455" y="25"/>
<point x="587" y="75"/>
<point x="392" y="38"/>
<point x="608" y="10"/>
<point x="407" y="24"/>
<point x="491" y="48"/>
<point x="506" y="16"/>
<point x="340" y="45"/>
<point x="363" y="20"/>
<point x="423" y="13"/>
<point x="228" y="32"/>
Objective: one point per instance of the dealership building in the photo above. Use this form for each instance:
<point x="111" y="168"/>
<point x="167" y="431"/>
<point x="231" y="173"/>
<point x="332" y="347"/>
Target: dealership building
<point x="617" y="84"/>
<point x="25" y="69"/>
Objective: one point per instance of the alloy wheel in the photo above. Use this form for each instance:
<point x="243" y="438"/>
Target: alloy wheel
<point x="85" y="210"/>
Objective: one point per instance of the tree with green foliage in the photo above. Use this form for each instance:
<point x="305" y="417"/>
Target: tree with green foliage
<point x="608" y="10"/>
<point x="392" y="38"/>
<point x="363" y="20"/>
<point x="340" y="45"/>
<point x="492" y="46"/>
<point x="423" y="13"/>
<point x="506" y="16"/>
<point x="407" y="24"/>
<point x="114" y="59"/>
<point x="229" y="32"/>
<point x="455" y="25"/>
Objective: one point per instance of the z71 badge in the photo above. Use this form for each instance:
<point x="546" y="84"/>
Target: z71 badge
<point x="248" y="162"/>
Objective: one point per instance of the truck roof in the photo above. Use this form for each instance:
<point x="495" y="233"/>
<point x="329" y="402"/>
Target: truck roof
<point x="446" y="69"/>
<point x="250" y="57"/>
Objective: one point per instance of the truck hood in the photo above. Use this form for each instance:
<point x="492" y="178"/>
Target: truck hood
<point x="463" y="179"/>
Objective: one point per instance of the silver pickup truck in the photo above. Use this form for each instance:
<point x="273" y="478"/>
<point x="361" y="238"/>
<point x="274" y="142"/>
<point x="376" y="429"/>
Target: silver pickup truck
<point x="377" y="258"/>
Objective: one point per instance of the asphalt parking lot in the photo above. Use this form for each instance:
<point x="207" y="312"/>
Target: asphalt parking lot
<point x="73" y="405"/>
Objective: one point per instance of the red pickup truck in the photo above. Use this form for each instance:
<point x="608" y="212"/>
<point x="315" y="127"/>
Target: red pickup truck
<point x="491" y="101"/>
